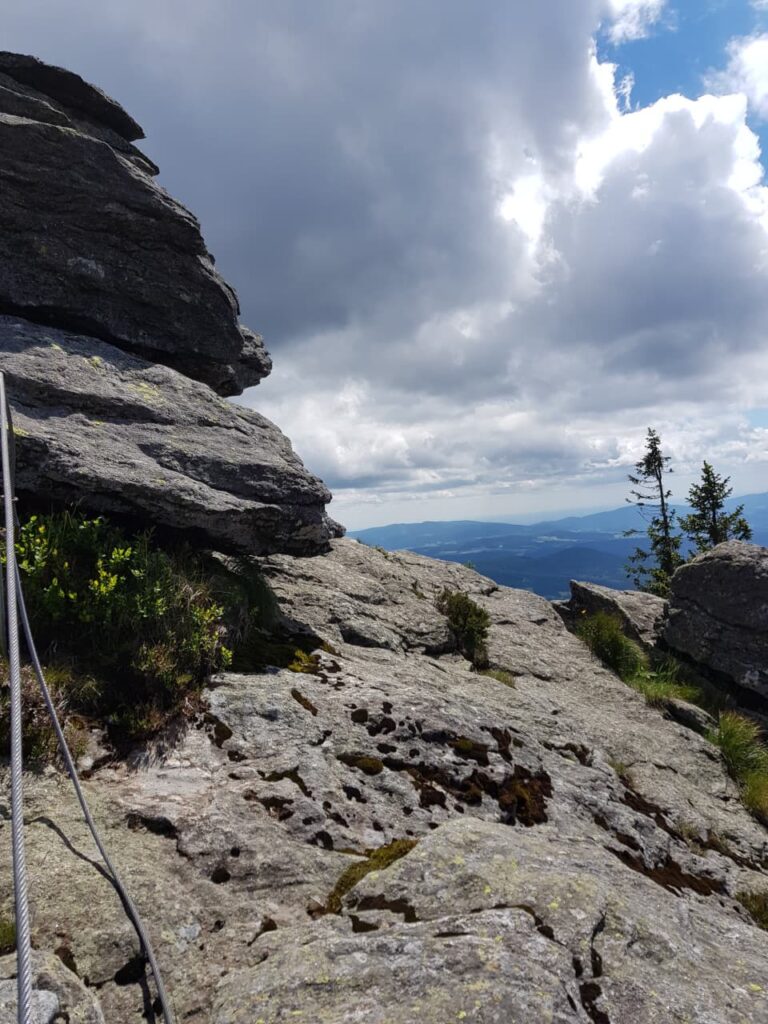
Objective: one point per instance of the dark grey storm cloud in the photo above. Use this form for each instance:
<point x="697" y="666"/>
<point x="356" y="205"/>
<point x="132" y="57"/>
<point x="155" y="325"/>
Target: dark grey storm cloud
<point x="478" y="276"/>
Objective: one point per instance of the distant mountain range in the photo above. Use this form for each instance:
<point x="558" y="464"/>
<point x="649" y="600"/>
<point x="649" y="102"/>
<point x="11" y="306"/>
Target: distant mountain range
<point x="543" y="557"/>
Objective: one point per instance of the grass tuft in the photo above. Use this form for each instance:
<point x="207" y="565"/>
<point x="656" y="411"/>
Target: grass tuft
<point x="604" y="636"/>
<point x="756" y="905"/>
<point x="500" y="675"/>
<point x="745" y="757"/>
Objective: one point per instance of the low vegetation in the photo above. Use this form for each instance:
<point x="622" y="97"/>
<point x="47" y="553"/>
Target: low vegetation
<point x="500" y="675"/>
<point x="7" y="936"/>
<point x="469" y="624"/>
<point x="39" y="741"/>
<point x="746" y="758"/>
<point x="128" y="628"/>
<point x="738" y="737"/>
<point x="756" y="905"/>
<point x="659" y="680"/>
<point x="376" y="860"/>
<point x="604" y="636"/>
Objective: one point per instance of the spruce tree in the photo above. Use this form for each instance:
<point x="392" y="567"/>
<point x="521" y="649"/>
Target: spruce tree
<point x="651" y="568"/>
<point x="709" y="524"/>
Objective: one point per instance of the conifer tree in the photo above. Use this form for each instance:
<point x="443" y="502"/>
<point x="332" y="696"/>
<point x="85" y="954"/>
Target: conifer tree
<point x="709" y="524"/>
<point x="651" y="568"/>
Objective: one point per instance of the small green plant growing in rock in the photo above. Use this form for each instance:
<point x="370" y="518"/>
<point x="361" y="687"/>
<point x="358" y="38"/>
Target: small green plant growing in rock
<point x="500" y="675"/>
<point x="308" y="664"/>
<point x="376" y="860"/>
<point x="756" y="905"/>
<point x="39" y="740"/>
<point x="603" y="634"/>
<point x="659" y="681"/>
<point x="469" y="624"/>
<point x="745" y="757"/>
<point x="7" y="936"/>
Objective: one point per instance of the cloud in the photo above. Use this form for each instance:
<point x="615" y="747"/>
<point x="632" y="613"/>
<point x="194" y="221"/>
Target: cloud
<point x="632" y="19"/>
<point x="747" y="71"/>
<point x="481" y="274"/>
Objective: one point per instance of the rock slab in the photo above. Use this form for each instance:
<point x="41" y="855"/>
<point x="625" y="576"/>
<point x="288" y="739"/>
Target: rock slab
<point x="577" y="856"/>
<point x="718" y="614"/>
<point x="113" y="433"/>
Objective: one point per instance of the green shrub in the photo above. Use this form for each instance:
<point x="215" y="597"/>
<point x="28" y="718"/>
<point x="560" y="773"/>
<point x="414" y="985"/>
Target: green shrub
<point x="745" y="757"/>
<point x="469" y="624"/>
<point x="140" y="625"/>
<point x="604" y="636"/>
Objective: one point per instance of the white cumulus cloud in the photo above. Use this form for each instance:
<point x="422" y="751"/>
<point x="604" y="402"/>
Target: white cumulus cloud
<point x="747" y="71"/>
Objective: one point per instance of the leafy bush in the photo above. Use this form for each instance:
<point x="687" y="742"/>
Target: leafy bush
<point x="603" y="634"/>
<point x="469" y="624"/>
<point x="140" y="625"/>
<point x="745" y="757"/>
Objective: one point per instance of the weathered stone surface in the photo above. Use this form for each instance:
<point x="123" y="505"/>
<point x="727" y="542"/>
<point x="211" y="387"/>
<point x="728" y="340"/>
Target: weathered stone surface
<point x="641" y="614"/>
<point x="718" y="613"/>
<point x="59" y="995"/>
<point x="97" y="426"/>
<point x="578" y="854"/>
<point x="89" y="241"/>
<point x="23" y="101"/>
<point x="502" y="926"/>
<point x="71" y="90"/>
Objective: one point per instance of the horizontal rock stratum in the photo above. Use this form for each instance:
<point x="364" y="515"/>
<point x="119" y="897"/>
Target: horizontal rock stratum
<point x="577" y="856"/>
<point x="90" y="241"/>
<point x="118" y="336"/>
<point x="107" y="430"/>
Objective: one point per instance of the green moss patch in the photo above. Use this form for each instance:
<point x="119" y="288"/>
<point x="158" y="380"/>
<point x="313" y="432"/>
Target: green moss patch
<point x="376" y="860"/>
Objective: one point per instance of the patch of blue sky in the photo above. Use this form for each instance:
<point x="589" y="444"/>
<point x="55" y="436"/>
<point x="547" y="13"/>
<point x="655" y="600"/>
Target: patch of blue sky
<point x="757" y="417"/>
<point x="683" y="48"/>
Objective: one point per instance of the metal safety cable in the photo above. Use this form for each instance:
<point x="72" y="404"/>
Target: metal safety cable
<point x="23" y="943"/>
<point x="128" y="904"/>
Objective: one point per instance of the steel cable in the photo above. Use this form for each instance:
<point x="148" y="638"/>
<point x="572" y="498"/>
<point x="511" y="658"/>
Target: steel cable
<point x="16" y="606"/>
<point x="21" y="905"/>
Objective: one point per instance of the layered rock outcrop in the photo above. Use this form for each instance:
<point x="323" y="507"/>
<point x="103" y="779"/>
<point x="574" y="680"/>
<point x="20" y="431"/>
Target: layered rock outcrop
<point x="577" y="856"/>
<point x="718" y="614"/>
<point x="102" y="276"/>
<point x="112" y="432"/>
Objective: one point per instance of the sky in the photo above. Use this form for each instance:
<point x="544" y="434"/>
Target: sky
<point x="487" y="244"/>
